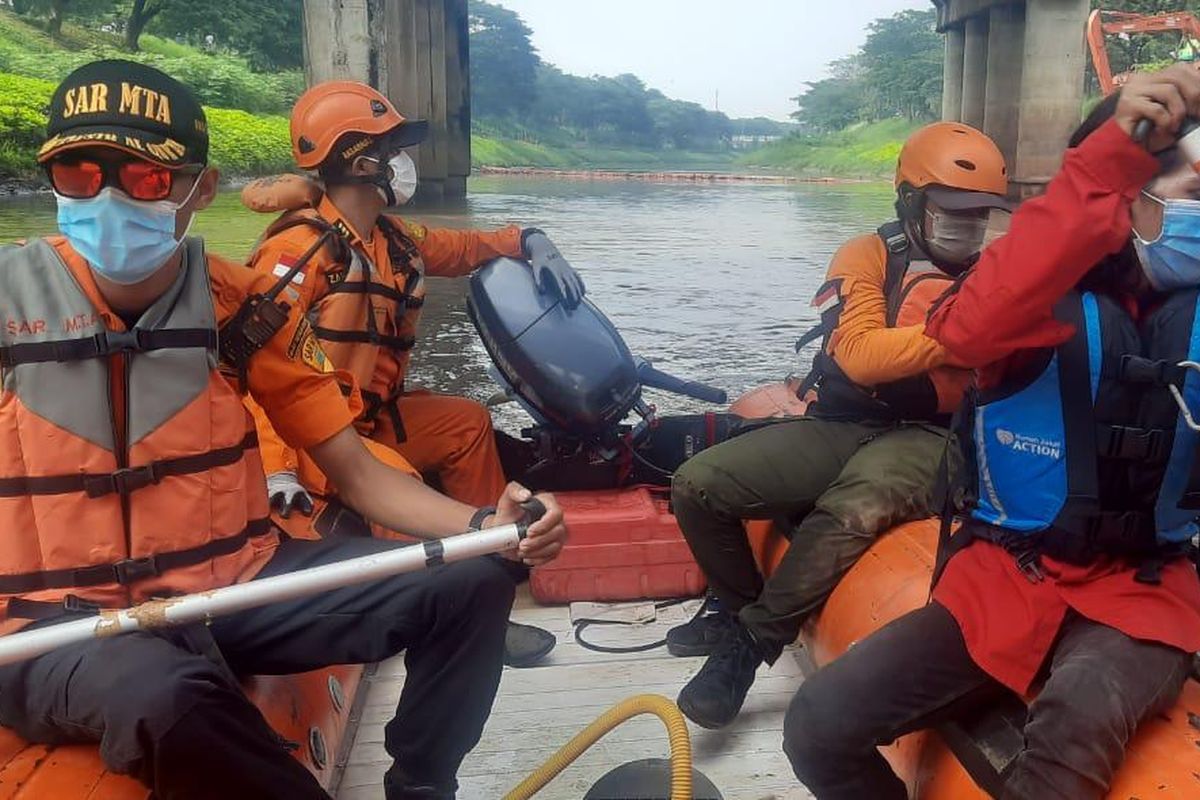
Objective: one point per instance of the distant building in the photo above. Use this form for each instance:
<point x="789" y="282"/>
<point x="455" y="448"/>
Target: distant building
<point x="749" y="141"/>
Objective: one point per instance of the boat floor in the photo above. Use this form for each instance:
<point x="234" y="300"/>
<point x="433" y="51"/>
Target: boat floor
<point x="538" y="709"/>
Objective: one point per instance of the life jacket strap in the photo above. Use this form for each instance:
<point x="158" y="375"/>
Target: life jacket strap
<point x="371" y="288"/>
<point x="131" y="570"/>
<point x="400" y="343"/>
<point x="129" y="479"/>
<point x="1140" y="370"/>
<point x="107" y="343"/>
<point x="376" y="403"/>
<point x="1128" y="443"/>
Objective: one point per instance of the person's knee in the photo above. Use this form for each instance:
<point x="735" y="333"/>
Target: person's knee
<point x="471" y="418"/>
<point x="482" y="587"/>
<point x="811" y="717"/>
<point x="696" y="484"/>
<point x="149" y="700"/>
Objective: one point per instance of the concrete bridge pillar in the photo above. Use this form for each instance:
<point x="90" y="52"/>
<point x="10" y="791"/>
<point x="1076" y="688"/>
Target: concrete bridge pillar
<point x="1052" y="103"/>
<point x="417" y="53"/>
<point x="974" y="80"/>
<point x="1019" y="78"/>
<point x="952" y="75"/>
<point x="1006" y="57"/>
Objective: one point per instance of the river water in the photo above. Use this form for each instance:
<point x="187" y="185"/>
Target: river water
<point x="710" y="282"/>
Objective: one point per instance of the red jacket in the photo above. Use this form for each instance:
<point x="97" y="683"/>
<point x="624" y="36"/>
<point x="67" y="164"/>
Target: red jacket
<point x="1004" y="308"/>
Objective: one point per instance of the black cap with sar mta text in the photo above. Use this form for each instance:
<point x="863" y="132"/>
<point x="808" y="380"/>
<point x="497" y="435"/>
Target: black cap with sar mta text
<point x="127" y="106"/>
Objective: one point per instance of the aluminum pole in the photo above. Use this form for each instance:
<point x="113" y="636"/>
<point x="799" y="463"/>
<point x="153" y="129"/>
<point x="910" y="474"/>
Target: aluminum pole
<point x="204" y="606"/>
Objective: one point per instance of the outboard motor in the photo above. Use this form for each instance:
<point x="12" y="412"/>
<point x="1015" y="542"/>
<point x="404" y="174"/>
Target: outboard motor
<point x="574" y="375"/>
<point x="567" y="368"/>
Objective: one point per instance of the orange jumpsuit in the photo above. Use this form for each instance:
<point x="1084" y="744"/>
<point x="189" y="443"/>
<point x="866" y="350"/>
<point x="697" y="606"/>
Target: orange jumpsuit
<point x="362" y="295"/>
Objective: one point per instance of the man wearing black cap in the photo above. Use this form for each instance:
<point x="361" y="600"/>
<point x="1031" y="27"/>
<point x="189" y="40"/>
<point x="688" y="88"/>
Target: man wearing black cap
<point x="864" y="457"/>
<point x="131" y="470"/>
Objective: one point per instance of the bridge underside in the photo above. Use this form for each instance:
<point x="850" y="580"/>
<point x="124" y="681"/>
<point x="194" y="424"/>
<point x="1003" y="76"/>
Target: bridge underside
<point x="1016" y="71"/>
<point x="415" y="52"/>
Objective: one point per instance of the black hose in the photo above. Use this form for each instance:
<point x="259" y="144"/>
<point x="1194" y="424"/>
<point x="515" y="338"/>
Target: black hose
<point x="637" y="648"/>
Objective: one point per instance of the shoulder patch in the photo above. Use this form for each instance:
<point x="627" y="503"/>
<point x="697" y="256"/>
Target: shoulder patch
<point x="284" y="264"/>
<point x="417" y="231"/>
<point x="829" y="296"/>
<point x="305" y="348"/>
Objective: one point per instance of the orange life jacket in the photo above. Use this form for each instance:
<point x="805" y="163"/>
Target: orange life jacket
<point x="912" y="290"/>
<point x="129" y="467"/>
<point x="367" y="322"/>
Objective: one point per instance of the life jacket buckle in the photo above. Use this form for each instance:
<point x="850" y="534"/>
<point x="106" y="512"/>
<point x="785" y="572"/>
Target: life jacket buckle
<point x="113" y="342"/>
<point x="123" y="481"/>
<point x="1029" y="563"/>
<point x="130" y="570"/>
<point x="74" y="604"/>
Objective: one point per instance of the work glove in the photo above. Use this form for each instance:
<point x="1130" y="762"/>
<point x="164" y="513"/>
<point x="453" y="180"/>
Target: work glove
<point x="287" y="495"/>
<point x="551" y="269"/>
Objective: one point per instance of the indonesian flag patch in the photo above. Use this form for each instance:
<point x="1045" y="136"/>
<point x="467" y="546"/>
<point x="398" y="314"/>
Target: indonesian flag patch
<point x="284" y="265"/>
<point x="828" y="297"/>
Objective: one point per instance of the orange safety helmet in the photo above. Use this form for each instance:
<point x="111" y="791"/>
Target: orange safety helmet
<point x="331" y="110"/>
<point x="952" y="155"/>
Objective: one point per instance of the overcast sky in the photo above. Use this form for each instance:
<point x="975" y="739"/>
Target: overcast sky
<point x="755" y="53"/>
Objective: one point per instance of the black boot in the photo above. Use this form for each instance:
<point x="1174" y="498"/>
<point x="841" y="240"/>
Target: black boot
<point x="704" y="633"/>
<point x="525" y="645"/>
<point x="714" y="697"/>
<point x="397" y="785"/>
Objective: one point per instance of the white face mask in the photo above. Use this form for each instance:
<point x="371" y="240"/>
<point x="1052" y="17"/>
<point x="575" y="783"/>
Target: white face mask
<point x="403" y="180"/>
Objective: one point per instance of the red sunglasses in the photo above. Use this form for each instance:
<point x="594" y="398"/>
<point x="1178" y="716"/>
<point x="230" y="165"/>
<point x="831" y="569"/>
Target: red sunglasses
<point x="81" y="178"/>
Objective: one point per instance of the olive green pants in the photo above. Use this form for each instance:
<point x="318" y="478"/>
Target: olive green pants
<point x="838" y="484"/>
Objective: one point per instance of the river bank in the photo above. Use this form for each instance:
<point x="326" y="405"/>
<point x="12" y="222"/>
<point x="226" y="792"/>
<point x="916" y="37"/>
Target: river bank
<point x="662" y="176"/>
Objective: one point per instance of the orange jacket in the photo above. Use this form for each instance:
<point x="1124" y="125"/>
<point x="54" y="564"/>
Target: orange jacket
<point x="128" y="474"/>
<point x="876" y="340"/>
<point x="364" y="284"/>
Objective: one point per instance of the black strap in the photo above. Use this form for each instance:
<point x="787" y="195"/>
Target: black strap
<point x="130" y="570"/>
<point x="375" y="403"/>
<point x="107" y="343"/>
<point x="1079" y="419"/>
<point x="371" y="287"/>
<point x="944" y="495"/>
<point x="129" y="479"/>
<point x="1136" y="369"/>
<point x="365" y="337"/>
<point x="1136" y="444"/>
<point x="895" y="242"/>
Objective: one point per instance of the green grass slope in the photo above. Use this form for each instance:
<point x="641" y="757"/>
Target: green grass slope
<point x="866" y="150"/>
<point x="243" y="143"/>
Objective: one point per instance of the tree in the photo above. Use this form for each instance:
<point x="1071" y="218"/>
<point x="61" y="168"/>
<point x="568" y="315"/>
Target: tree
<point x="56" y="11"/>
<point x="830" y="104"/>
<point x="268" y="34"/>
<point x="140" y="14"/>
<point x="504" y="63"/>
<point x="902" y="66"/>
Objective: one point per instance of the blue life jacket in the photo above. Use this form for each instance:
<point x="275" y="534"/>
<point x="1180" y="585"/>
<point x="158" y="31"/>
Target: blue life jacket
<point x="1086" y="453"/>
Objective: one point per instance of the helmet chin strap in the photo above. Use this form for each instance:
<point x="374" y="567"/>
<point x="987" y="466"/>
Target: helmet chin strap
<point x="380" y="180"/>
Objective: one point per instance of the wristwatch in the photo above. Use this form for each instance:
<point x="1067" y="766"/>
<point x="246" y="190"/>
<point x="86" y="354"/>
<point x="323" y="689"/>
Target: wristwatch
<point x="479" y="516"/>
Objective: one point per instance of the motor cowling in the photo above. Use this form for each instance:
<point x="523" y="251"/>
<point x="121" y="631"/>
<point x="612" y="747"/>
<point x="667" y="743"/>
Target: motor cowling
<point x="569" y="368"/>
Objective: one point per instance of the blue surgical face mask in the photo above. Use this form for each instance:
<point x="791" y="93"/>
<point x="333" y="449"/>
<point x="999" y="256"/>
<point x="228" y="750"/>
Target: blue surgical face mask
<point x="1172" y="261"/>
<point x="124" y="240"/>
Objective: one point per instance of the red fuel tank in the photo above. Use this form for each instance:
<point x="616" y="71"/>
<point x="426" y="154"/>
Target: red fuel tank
<point x="625" y="545"/>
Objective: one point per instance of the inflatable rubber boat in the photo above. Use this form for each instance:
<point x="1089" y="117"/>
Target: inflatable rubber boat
<point x="600" y="446"/>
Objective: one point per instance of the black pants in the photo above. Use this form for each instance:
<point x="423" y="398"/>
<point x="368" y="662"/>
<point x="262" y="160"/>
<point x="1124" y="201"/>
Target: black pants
<point x="167" y="708"/>
<point x="911" y="674"/>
